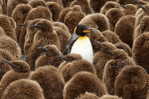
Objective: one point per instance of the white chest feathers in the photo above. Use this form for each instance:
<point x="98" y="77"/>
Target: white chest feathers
<point x="83" y="47"/>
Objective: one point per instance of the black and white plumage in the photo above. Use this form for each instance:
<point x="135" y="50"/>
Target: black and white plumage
<point x="80" y="43"/>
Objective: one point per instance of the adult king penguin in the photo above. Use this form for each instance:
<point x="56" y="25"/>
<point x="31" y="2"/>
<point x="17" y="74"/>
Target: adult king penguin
<point x="80" y="43"/>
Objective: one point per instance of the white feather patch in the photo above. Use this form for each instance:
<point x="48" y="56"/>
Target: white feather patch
<point x="83" y="47"/>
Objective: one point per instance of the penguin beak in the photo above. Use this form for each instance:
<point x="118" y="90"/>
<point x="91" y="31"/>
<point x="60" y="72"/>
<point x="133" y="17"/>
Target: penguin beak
<point x="89" y="30"/>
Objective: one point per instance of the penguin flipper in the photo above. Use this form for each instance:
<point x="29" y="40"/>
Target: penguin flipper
<point x="73" y="38"/>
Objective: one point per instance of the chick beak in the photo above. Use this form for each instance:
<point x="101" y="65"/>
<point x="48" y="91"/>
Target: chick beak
<point x="9" y="63"/>
<point x="23" y="57"/>
<point x="35" y="26"/>
<point x="22" y="25"/>
<point x="43" y="49"/>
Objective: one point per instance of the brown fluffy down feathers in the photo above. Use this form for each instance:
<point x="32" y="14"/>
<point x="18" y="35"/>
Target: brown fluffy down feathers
<point x="131" y="83"/>
<point x="83" y="82"/>
<point x="24" y="88"/>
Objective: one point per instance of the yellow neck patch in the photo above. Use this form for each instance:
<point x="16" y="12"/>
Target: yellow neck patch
<point x="83" y="37"/>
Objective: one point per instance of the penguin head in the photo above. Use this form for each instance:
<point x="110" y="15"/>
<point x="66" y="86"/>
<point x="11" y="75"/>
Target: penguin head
<point x="82" y="30"/>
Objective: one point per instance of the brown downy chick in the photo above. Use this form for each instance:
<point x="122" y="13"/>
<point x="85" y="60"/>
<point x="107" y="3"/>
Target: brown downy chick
<point x="96" y="36"/>
<point x="10" y="45"/>
<point x="3" y="66"/>
<point x="98" y="4"/>
<point x="11" y="4"/>
<point x="96" y="20"/>
<point x="30" y="32"/>
<point x="102" y="56"/>
<point x="108" y="5"/>
<point x="7" y="25"/>
<point x="71" y="20"/>
<point x="36" y="3"/>
<point x="44" y="36"/>
<point x="63" y="33"/>
<point x="125" y="47"/>
<point x="39" y="12"/>
<point x="50" y="80"/>
<point x="66" y="3"/>
<point x="114" y="14"/>
<point x="130" y="83"/>
<point x="52" y="56"/>
<point x="55" y="8"/>
<point x="64" y="11"/>
<point x="23" y="89"/>
<point x="72" y="57"/>
<point x="20" y="70"/>
<point x="57" y="1"/>
<point x="85" y="6"/>
<point x="68" y="59"/>
<point x="63" y="36"/>
<point x="124" y="28"/>
<point x="19" y="66"/>
<point x="74" y="67"/>
<point x="140" y="50"/>
<point x="19" y="14"/>
<point x="113" y="68"/>
<point x="141" y="12"/>
<point x="142" y="27"/>
<point x="83" y="82"/>
<point x="88" y="95"/>
<point x="130" y="9"/>
<point x="61" y="25"/>
<point x="109" y="97"/>
<point x="111" y="36"/>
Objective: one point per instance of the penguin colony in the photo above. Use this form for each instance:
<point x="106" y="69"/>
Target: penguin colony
<point x="74" y="49"/>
